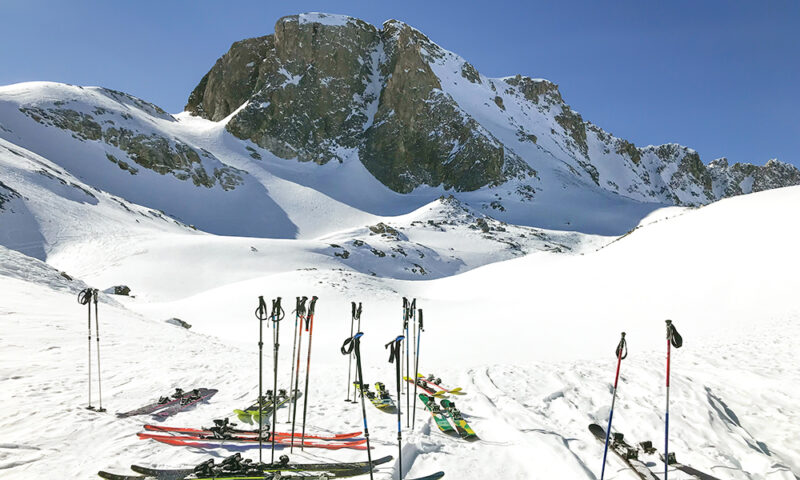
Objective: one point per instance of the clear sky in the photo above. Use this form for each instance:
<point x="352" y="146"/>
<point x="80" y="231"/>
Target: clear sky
<point x="722" y="77"/>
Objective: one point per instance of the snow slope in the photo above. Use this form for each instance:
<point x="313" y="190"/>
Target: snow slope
<point x="530" y="339"/>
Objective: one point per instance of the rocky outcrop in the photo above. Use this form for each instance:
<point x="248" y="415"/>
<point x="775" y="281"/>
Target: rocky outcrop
<point x="334" y="88"/>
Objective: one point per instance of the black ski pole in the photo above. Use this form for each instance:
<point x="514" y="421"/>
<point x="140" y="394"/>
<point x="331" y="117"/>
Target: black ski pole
<point x="276" y="316"/>
<point x="412" y="315"/>
<point x="358" y="329"/>
<point x="353" y="346"/>
<point x="350" y="357"/>
<point x="674" y="339"/>
<point x="85" y="298"/>
<point x="416" y="368"/>
<point x="395" y="349"/>
<point x="97" y="337"/>
<point x="261" y="315"/>
<point x="300" y="312"/>
<point x="310" y="328"/>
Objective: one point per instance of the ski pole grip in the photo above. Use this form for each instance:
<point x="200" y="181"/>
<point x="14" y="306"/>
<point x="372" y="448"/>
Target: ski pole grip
<point x="622" y="348"/>
<point x="420" y="320"/>
<point x="261" y="310"/>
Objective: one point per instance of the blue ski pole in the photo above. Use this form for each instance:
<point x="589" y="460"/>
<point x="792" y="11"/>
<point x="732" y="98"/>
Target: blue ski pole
<point x="622" y="352"/>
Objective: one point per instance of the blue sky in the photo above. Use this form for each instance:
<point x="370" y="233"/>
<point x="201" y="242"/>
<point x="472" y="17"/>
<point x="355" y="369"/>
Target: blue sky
<point x="718" y="76"/>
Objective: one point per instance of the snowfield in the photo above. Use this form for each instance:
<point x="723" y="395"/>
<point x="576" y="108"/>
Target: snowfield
<point x="530" y="339"/>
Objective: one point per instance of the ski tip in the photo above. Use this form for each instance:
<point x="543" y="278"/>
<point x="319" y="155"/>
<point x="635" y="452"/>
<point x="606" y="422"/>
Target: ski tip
<point x="432" y="476"/>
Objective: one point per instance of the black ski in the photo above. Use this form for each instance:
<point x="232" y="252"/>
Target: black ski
<point x="234" y="466"/>
<point x="162" y="402"/>
<point x="687" y="469"/>
<point x="627" y="453"/>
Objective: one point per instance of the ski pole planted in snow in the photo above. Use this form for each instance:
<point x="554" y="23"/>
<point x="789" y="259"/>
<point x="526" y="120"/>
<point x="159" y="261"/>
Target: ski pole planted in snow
<point x="352" y="346"/>
<point x="416" y="367"/>
<point x="358" y="329"/>
<point x="300" y="313"/>
<point x="261" y="315"/>
<point x="395" y="349"/>
<point x="85" y="297"/>
<point x="276" y="316"/>
<point x="310" y="328"/>
<point x="622" y="352"/>
<point x="354" y="312"/>
<point x="673" y="340"/>
<point x="412" y="313"/>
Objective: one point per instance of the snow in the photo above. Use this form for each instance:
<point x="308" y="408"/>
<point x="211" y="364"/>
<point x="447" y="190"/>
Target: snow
<point x="325" y="19"/>
<point x="530" y="339"/>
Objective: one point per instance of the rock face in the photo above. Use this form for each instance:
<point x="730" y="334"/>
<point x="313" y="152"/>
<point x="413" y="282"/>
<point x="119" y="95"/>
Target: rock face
<point x="325" y="87"/>
<point x="334" y="88"/>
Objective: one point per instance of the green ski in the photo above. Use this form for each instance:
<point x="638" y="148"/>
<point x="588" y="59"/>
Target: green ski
<point x="436" y="413"/>
<point x="454" y="414"/>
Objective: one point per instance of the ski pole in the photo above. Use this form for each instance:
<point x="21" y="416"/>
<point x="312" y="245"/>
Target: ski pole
<point x="276" y="316"/>
<point x="297" y="369"/>
<point x="310" y="328"/>
<point x="673" y="339"/>
<point x="300" y="311"/>
<point x="261" y="315"/>
<point x="358" y="329"/>
<point x="416" y="368"/>
<point x="395" y="349"/>
<point x="622" y="352"/>
<point x="353" y="346"/>
<point x="97" y="337"/>
<point x="350" y="357"/>
<point x="412" y="316"/>
<point x="84" y="298"/>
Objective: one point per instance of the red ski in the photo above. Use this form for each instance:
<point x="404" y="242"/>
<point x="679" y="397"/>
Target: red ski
<point x="248" y="433"/>
<point x="205" y="441"/>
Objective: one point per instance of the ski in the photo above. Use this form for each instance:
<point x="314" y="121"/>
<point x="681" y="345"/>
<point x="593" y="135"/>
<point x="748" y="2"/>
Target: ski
<point x="435" y="383"/>
<point x="425" y="388"/>
<point x="338" y="469"/>
<point x="628" y="454"/>
<point x="234" y="431"/>
<point x="190" y="399"/>
<point x="251" y="414"/>
<point x="454" y="414"/>
<point x="687" y="469"/>
<point x="432" y="476"/>
<point x="114" y="476"/>
<point x="163" y="402"/>
<point x="436" y="413"/>
<point x="382" y="402"/>
<point x="207" y="440"/>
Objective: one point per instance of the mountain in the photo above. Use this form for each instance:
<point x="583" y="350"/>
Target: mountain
<point x="331" y="125"/>
<point x="330" y="88"/>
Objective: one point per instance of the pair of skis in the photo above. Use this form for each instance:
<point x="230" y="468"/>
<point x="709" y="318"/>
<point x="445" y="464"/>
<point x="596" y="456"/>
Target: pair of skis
<point x="380" y="398"/>
<point x="448" y="418"/>
<point x="432" y="386"/>
<point x="251" y="414"/>
<point x="238" y="468"/>
<point x="630" y="455"/>
<point x="177" y="402"/>
<point x="224" y="432"/>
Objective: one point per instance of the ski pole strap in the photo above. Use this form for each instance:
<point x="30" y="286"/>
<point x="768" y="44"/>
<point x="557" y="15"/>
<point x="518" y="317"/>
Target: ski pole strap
<point x="261" y="310"/>
<point x="277" y="313"/>
<point x="300" y="306"/>
<point x="622" y="348"/>
<point x="351" y="343"/>
<point x="673" y="336"/>
<point x="394" y="348"/>
<point x="85" y="296"/>
<point x="310" y="315"/>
